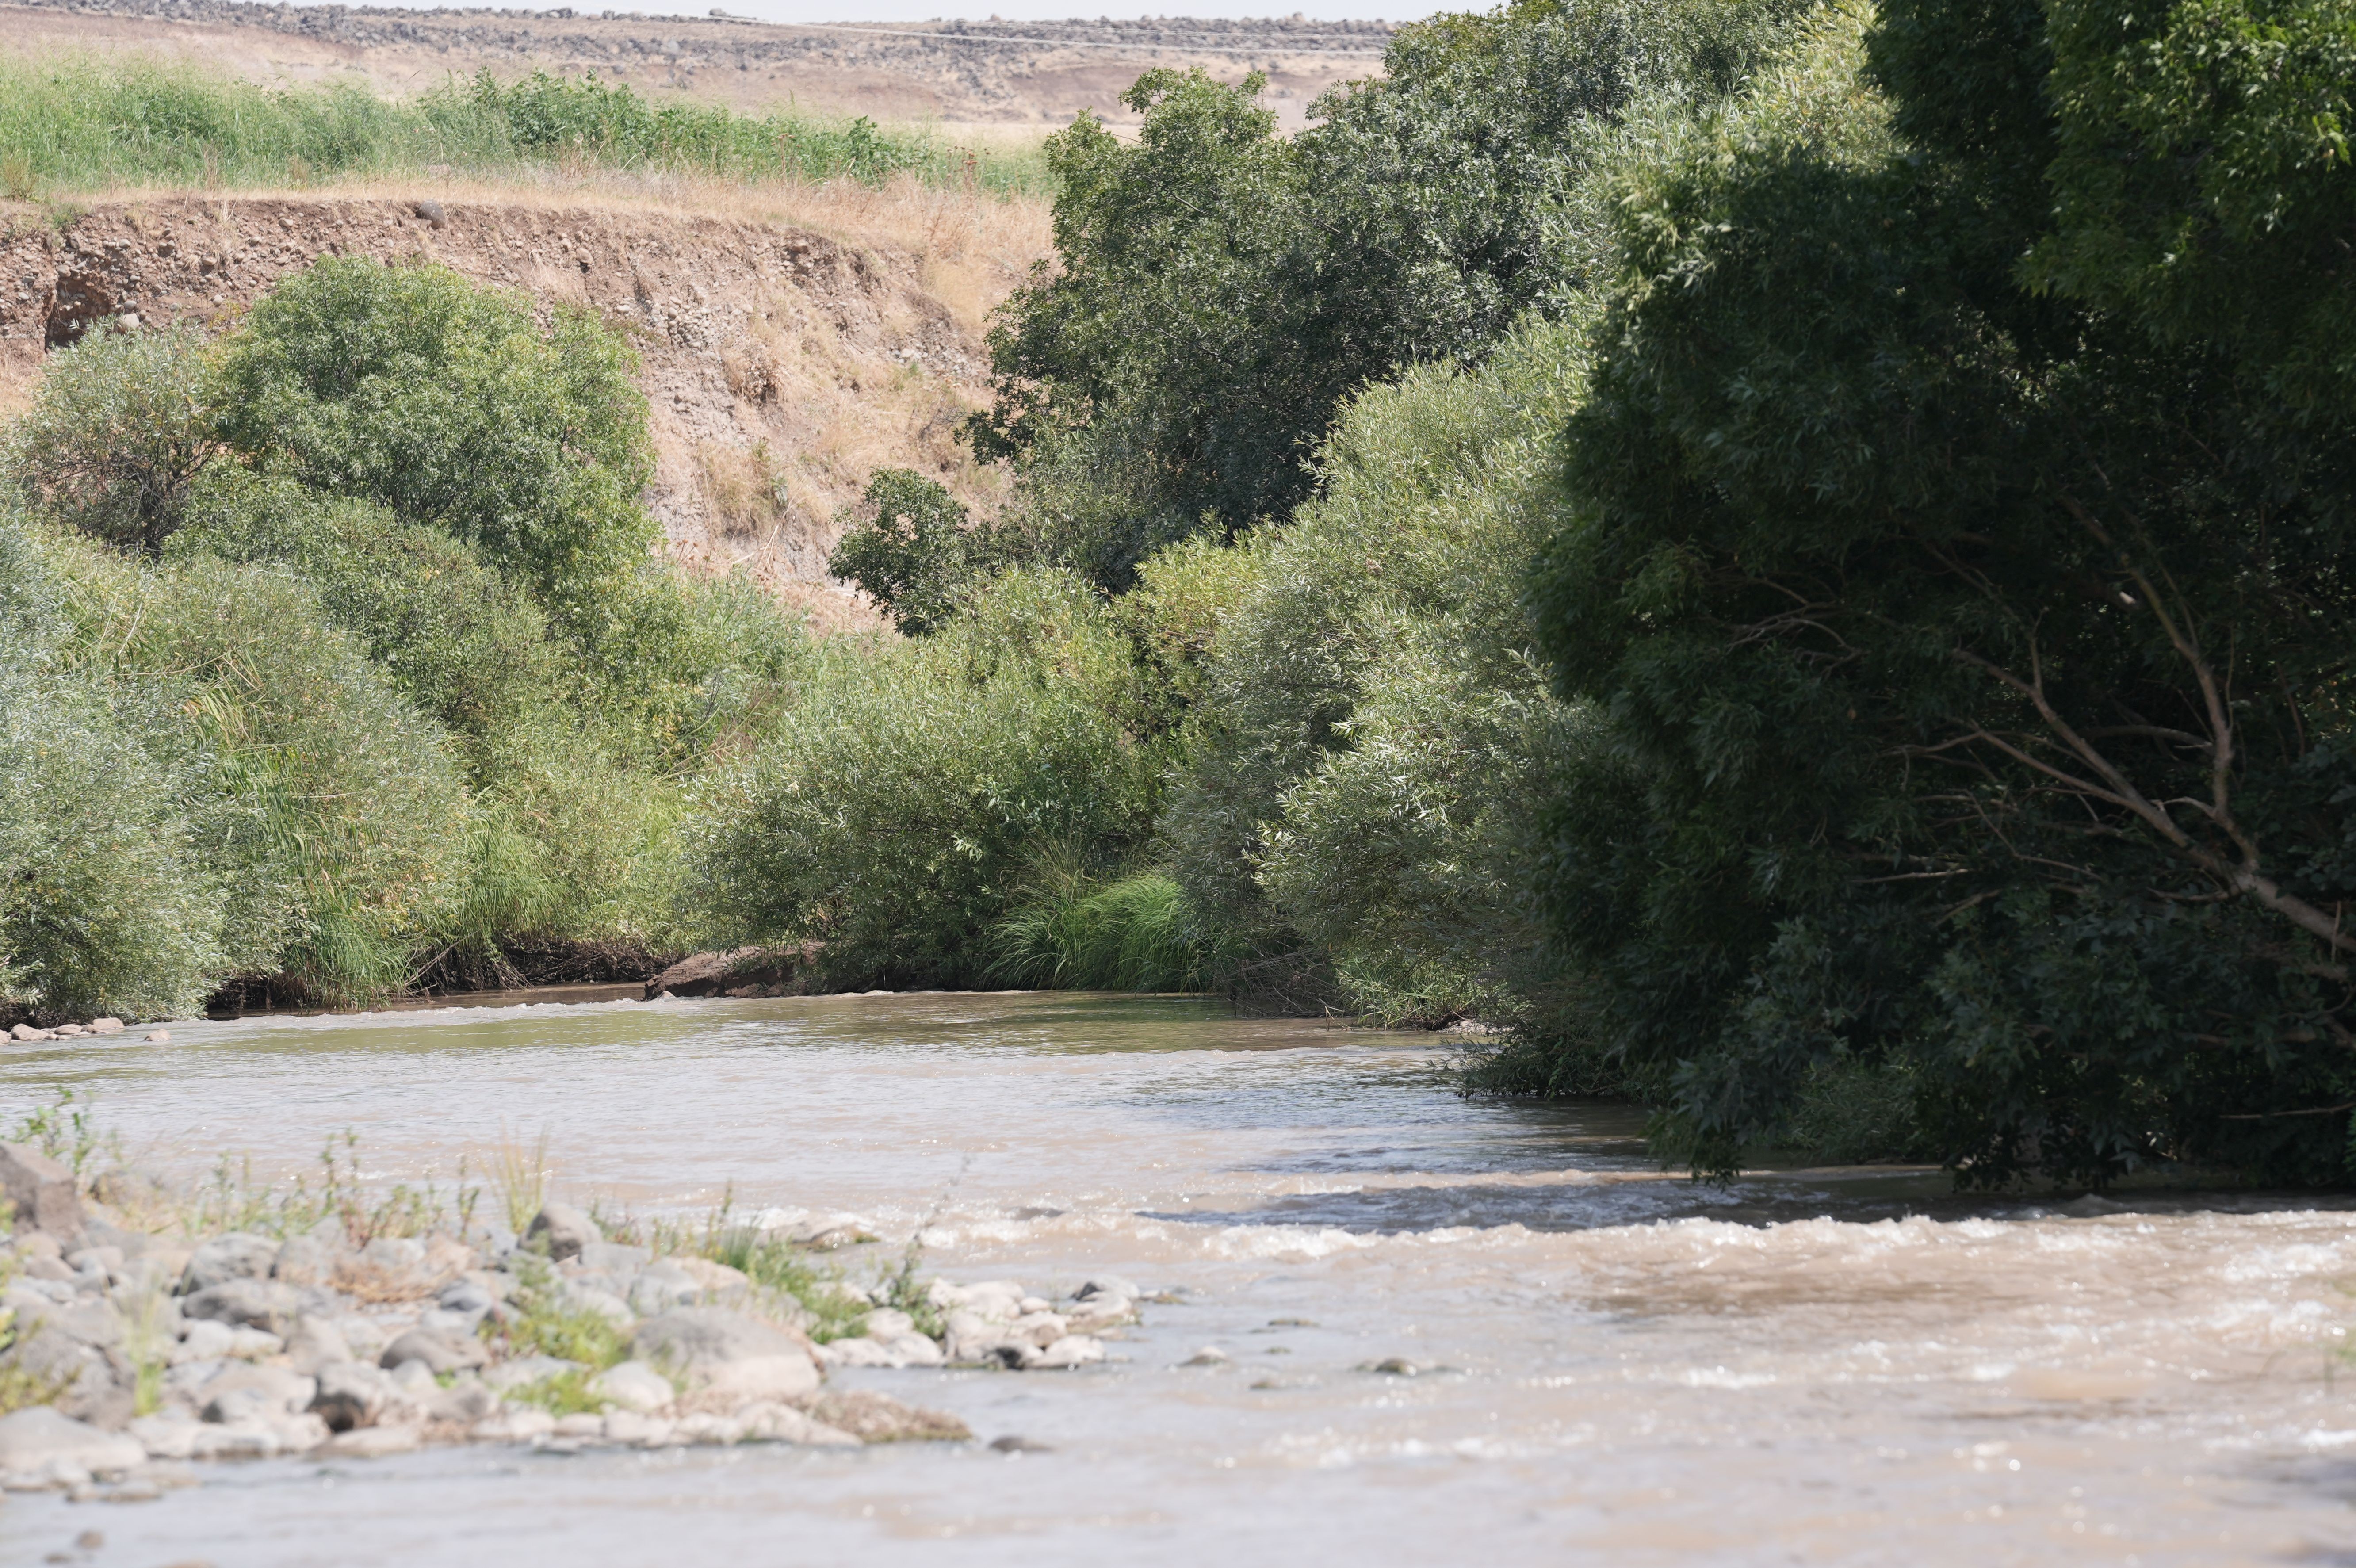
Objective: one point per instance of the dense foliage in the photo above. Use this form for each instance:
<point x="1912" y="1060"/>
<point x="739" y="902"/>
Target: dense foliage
<point x="900" y="809"/>
<point x="1218" y="290"/>
<point x="910" y="547"/>
<point x="1791" y="566"/>
<point x="1973" y="631"/>
<point x="387" y="686"/>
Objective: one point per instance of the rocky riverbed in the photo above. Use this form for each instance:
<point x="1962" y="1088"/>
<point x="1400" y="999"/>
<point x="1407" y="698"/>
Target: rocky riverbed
<point x="131" y="1351"/>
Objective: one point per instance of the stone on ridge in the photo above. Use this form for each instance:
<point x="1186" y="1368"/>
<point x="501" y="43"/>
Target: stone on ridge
<point x="566" y="1228"/>
<point x="40" y="1191"/>
<point x="39" y="1438"/>
<point x="440" y="1352"/>
<point x="634" y="1386"/>
<point x="729" y="1353"/>
<point x="239" y="1255"/>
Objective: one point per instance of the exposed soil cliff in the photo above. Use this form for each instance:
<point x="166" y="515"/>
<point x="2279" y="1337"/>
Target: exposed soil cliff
<point x="792" y="340"/>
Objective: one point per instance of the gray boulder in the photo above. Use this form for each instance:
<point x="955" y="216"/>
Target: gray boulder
<point x="40" y="1439"/>
<point x="40" y="1191"/>
<point x="316" y="1342"/>
<point x="236" y="1256"/>
<point x="466" y="1403"/>
<point x="440" y="1352"/>
<point x="83" y="1375"/>
<point x="247" y="1303"/>
<point x="728" y="1353"/>
<point x="528" y="1370"/>
<point x="564" y="1230"/>
<point x="634" y="1386"/>
<point x="306" y="1260"/>
<point x="613" y="1259"/>
<point x="244" y="1391"/>
<point x="351" y="1394"/>
<point x="83" y="1321"/>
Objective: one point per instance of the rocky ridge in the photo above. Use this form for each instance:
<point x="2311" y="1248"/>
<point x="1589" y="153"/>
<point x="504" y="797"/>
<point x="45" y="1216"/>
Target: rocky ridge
<point x="133" y="1353"/>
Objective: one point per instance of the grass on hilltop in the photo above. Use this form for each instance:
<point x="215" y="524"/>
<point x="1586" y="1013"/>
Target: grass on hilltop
<point x="82" y="123"/>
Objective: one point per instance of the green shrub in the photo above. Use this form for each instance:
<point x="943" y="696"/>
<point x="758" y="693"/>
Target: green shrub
<point x="910" y="548"/>
<point x="1220" y="291"/>
<point x="106" y="904"/>
<point x="1969" y="630"/>
<point x="334" y="813"/>
<point x="1139" y="932"/>
<point x="120" y="426"/>
<point x="451" y="405"/>
<point x="545" y="117"/>
<point x="891" y="814"/>
<point x="1184" y="596"/>
<point x="1363" y="760"/>
<point x="456" y="637"/>
<point x="576" y="798"/>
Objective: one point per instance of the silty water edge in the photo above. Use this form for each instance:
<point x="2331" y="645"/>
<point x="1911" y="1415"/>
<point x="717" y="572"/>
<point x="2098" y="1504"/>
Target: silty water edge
<point x="1608" y="1365"/>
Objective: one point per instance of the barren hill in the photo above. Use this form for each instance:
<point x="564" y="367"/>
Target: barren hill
<point x="1001" y="74"/>
<point x="792" y="340"/>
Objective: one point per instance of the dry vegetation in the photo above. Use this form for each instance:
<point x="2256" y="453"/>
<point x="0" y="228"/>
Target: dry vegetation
<point x="1012" y="75"/>
<point x="793" y="336"/>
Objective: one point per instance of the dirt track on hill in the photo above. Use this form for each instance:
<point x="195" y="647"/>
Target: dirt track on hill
<point x="782" y="361"/>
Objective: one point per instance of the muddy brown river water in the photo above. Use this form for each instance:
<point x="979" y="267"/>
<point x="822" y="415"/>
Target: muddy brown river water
<point x="1805" y="1368"/>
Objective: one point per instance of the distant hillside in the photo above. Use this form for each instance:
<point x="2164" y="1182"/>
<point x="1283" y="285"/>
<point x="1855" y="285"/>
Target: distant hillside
<point x="792" y="341"/>
<point x="1002" y="74"/>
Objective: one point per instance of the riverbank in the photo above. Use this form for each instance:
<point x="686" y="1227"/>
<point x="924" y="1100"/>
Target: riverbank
<point x="1615" y="1365"/>
<point x="344" y="1321"/>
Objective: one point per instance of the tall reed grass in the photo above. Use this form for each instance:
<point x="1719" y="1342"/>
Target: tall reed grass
<point x="82" y="123"/>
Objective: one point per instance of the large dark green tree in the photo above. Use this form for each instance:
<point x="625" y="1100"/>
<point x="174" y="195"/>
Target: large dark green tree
<point x="1958" y="540"/>
<point x="1218" y="290"/>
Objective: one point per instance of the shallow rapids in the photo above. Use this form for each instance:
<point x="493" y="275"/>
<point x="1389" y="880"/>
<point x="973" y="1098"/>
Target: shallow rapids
<point x="1812" y="1367"/>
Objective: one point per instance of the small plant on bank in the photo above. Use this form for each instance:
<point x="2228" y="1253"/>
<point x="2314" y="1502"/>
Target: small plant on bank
<point x="566" y="1394"/>
<point x="904" y="1292"/>
<point x="234" y="1200"/>
<point x="20" y="1386"/>
<point x="18" y="179"/>
<point x="63" y="1131"/>
<point x="521" y="1178"/>
<point x="541" y="1323"/>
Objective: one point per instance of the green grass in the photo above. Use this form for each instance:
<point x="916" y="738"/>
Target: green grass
<point x="1136" y="933"/>
<point x="566" y="1394"/>
<point x="542" y="1324"/>
<point x="83" y="122"/>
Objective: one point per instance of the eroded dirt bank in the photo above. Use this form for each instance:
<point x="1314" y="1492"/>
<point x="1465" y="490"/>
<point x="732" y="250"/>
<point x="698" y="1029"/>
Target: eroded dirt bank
<point x="783" y="359"/>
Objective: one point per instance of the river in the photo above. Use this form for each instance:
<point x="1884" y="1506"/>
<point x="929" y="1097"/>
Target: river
<point x="1626" y="1368"/>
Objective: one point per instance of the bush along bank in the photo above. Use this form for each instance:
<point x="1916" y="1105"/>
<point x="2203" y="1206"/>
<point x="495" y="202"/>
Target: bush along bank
<point x="335" y="658"/>
<point x="351" y="1326"/>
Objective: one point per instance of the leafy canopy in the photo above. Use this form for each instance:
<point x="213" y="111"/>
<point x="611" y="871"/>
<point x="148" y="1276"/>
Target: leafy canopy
<point x="1972" y="631"/>
<point x="1218" y="290"/>
<point x="452" y="406"/>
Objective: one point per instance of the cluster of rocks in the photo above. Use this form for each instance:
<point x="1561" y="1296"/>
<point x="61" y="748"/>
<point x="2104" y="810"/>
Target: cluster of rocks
<point x="27" y="1033"/>
<point x="150" y="1353"/>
